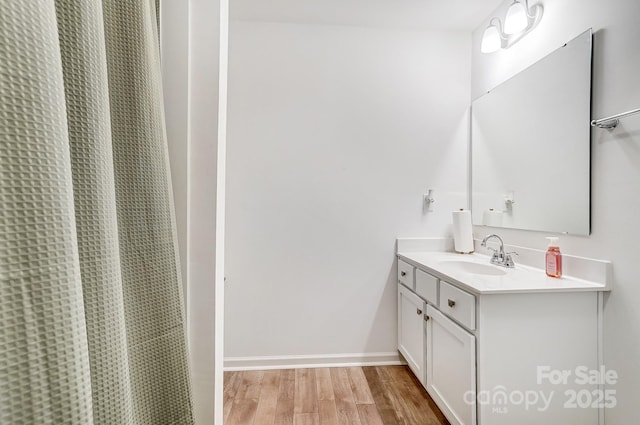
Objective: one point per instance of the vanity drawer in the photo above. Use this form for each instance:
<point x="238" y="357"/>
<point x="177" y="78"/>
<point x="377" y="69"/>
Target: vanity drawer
<point x="427" y="286"/>
<point x="458" y="304"/>
<point x="405" y="274"/>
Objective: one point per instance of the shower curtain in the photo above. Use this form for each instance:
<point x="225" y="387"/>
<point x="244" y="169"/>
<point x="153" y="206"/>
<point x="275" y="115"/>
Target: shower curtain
<point x="91" y="316"/>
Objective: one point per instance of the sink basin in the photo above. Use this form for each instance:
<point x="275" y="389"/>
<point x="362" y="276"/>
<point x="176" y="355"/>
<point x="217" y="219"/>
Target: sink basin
<point x="473" y="267"/>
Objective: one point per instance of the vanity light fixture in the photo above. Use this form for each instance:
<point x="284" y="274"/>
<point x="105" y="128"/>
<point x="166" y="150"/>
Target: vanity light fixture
<point x="519" y="21"/>
<point x="492" y="39"/>
<point x="516" y="19"/>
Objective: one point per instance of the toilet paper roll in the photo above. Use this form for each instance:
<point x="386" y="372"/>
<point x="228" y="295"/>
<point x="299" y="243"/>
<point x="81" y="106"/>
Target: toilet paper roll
<point x="462" y="231"/>
<point x="492" y="217"/>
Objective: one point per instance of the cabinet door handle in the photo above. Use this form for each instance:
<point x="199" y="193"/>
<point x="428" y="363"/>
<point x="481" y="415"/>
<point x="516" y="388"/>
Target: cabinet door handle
<point x="418" y="312"/>
<point x="451" y="302"/>
<point x="403" y="273"/>
<point x="426" y="318"/>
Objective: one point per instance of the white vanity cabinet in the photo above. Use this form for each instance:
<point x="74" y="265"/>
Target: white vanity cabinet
<point x="489" y="357"/>
<point x="411" y="335"/>
<point x="451" y="367"/>
<point x="440" y="352"/>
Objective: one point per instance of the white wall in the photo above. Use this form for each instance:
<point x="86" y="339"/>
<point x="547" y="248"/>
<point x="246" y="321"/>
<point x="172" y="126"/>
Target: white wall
<point x="615" y="163"/>
<point x="335" y="132"/>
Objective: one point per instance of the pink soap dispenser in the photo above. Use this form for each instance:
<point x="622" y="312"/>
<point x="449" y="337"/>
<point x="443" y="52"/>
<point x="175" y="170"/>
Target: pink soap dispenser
<point x="553" y="258"/>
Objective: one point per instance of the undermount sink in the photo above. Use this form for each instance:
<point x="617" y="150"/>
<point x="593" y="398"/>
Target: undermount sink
<point x="473" y="267"/>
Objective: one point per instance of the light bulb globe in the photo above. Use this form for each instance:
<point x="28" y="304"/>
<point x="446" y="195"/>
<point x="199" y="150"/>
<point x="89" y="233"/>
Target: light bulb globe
<point x="516" y="20"/>
<point x="491" y="40"/>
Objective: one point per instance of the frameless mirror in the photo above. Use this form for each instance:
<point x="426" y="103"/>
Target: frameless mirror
<point x="530" y="146"/>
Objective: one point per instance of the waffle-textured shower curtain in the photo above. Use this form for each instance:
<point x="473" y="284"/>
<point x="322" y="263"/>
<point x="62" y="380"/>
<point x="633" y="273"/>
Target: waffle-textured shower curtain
<point x="91" y="318"/>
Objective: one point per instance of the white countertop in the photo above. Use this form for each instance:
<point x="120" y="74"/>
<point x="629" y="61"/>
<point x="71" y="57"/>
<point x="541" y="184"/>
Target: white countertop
<point x="521" y="279"/>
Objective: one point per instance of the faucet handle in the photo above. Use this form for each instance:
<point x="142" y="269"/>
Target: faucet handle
<point x="497" y="255"/>
<point x="495" y="251"/>
<point x="508" y="261"/>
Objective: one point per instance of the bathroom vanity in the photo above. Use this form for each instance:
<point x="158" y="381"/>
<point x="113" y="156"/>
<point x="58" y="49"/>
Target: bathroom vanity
<point x="496" y="346"/>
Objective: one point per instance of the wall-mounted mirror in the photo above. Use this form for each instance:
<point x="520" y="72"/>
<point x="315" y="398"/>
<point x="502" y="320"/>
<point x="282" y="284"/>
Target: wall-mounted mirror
<point x="531" y="146"/>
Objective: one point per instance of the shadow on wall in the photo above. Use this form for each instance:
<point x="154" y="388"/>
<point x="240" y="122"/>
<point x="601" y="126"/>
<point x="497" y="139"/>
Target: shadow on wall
<point x="629" y="142"/>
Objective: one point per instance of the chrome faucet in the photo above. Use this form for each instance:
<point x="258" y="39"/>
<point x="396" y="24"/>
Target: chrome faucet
<point x="499" y="257"/>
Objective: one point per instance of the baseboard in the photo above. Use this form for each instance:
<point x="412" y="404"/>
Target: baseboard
<point x="312" y="361"/>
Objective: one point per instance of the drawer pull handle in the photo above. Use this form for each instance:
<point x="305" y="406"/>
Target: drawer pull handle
<point x="426" y="318"/>
<point x="451" y="303"/>
<point x="403" y="273"/>
<point x="418" y="312"/>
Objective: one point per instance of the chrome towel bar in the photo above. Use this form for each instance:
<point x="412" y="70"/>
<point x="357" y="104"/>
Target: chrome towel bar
<point x="612" y="121"/>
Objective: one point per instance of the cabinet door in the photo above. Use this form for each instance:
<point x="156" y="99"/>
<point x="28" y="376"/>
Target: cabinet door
<point x="411" y="331"/>
<point x="451" y="368"/>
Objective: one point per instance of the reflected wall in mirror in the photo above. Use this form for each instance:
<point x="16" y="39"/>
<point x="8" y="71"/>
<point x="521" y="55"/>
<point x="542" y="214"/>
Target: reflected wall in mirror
<point x="530" y="148"/>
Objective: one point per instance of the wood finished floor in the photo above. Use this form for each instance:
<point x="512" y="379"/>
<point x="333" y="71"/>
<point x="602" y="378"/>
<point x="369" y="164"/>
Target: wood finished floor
<point x="375" y="395"/>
